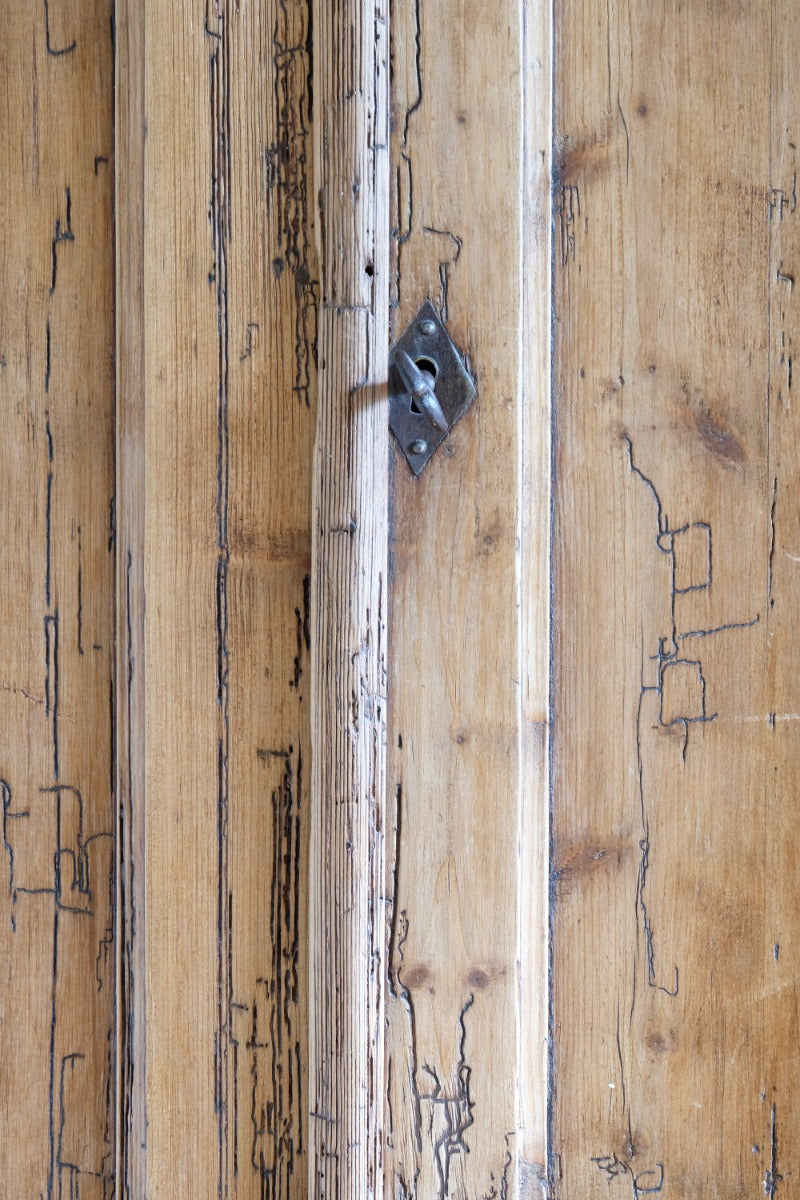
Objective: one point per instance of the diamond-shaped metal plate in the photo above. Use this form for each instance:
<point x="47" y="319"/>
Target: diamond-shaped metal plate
<point x="428" y="343"/>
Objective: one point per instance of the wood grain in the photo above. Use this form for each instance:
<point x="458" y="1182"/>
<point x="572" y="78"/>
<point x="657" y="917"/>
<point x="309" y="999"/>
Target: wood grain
<point x="57" y="600"/>
<point x="675" y="901"/>
<point x="272" y="297"/>
<point x="130" y="692"/>
<point x="534" y="517"/>
<point x="230" y="302"/>
<point x="348" y="602"/>
<point x="468" y="681"/>
<point x="184" y="751"/>
<point x="327" y="737"/>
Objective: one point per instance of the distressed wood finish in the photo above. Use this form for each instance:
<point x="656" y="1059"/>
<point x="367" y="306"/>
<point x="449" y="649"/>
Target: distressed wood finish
<point x="230" y="304"/>
<point x="468" y="715"/>
<point x="349" y="597"/>
<point x="272" y="297"/>
<point x="300" y="1013"/>
<point x="131" y="1116"/>
<point x="675" y="1031"/>
<point x="57" y="637"/>
<point x="535" y="500"/>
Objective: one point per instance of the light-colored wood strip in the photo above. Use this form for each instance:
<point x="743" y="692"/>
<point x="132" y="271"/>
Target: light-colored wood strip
<point x="186" y="704"/>
<point x="674" y="906"/>
<point x="57" y="596"/>
<point x="468" y="713"/>
<point x="348" y="602"/>
<point x="534" y="583"/>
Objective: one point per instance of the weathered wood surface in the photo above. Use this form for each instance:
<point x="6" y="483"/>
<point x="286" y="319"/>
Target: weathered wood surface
<point x="130" y="694"/>
<point x="535" y="503"/>
<point x="675" y="936"/>
<point x="674" y="877"/>
<point x="349" y="589"/>
<point x="230" y="304"/>
<point x="57" y="633"/>
<point x="468" y="736"/>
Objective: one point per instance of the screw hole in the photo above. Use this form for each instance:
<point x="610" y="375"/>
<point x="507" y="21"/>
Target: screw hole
<point x="369" y="270"/>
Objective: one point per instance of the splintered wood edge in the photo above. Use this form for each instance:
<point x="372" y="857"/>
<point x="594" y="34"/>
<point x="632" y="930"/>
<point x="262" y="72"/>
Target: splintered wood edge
<point x="348" y="602"/>
<point x="535" y="500"/>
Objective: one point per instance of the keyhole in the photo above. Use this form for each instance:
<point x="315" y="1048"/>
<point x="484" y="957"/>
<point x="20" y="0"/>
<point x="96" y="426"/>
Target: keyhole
<point x="430" y="368"/>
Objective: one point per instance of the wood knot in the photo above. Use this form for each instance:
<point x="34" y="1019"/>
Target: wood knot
<point x="478" y="978"/>
<point x="716" y="436"/>
<point x="718" y="439"/>
<point x="660" y="1041"/>
<point x="416" y="977"/>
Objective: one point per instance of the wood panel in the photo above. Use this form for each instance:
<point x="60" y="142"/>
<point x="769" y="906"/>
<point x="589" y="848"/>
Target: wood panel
<point x="230" y="304"/>
<point x="675" y="762"/>
<point x="468" y="680"/>
<point x="57" y="588"/>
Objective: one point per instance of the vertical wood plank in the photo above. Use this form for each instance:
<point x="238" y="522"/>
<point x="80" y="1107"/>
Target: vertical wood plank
<point x="57" y="588"/>
<point x="468" y="686"/>
<point x="230" y="311"/>
<point x="774" y="1001"/>
<point x="272" y="298"/>
<point x="535" y="499"/>
<point x="348" y="602"/>
<point x="675" y="909"/>
<point x="131" y="697"/>
<point x="185" y="637"/>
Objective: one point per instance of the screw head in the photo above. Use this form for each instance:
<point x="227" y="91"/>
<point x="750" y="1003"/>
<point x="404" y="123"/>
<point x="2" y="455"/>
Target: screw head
<point x="427" y="327"/>
<point x="418" y="446"/>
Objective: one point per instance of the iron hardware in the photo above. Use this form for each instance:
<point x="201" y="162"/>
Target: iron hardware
<point x="429" y="387"/>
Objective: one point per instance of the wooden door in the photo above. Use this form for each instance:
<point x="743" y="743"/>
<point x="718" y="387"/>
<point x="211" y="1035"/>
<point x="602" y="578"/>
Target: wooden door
<point x="675" y="908"/>
<point x="369" y="834"/>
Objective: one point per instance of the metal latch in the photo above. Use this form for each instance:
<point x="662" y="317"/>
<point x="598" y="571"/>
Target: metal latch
<point x="429" y="387"/>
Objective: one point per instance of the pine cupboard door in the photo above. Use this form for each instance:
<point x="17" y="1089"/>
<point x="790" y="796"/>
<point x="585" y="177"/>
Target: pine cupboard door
<point x="371" y="835"/>
<point x="331" y="675"/>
